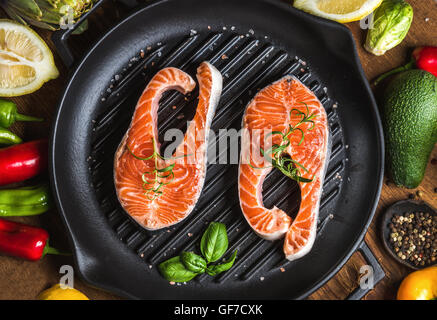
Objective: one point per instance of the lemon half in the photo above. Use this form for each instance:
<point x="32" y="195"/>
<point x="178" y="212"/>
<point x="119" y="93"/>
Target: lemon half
<point x="26" y="62"/>
<point x="339" y="10"/>
<point x="58" y="293"/>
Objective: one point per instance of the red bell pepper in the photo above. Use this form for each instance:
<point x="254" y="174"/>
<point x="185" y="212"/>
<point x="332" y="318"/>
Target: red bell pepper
<point x="23" y="161"/>
<point x="23" y="241"/>
<point x="424" y="58"/>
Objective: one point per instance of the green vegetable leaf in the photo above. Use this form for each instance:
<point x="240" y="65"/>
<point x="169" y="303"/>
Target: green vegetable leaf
<point x="193" y="262"/>
<point x="219" y="268"/>
<point x="391" y="23"/>
<point x="214" y="242"/>
<point x="174" y="270"/>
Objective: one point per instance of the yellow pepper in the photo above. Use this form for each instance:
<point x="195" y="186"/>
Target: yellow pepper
<point x="419" y="285"/>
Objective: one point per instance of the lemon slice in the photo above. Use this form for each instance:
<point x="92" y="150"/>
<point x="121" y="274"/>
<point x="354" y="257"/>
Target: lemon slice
<point x="339" y="10"/>
<point x="25" y="60"/>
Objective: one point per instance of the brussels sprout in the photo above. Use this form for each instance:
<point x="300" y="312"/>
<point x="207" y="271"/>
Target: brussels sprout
<point x="391" y="22"/>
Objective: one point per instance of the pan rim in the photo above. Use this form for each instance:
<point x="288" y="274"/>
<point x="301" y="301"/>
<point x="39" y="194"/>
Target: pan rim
<point x="375" y="114"/>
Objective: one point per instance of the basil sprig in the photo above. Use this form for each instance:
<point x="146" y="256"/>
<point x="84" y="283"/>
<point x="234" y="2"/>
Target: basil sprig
<point x="187" y="265"/>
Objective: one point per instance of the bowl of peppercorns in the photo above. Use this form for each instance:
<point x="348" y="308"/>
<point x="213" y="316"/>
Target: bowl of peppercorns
<point x="409" y="232"/>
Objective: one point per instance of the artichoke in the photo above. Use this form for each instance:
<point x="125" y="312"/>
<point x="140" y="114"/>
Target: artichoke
<point x="47" y="14"/>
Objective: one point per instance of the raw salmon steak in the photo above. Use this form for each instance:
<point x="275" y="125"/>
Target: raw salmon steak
<point x="160" y="191"/>
<point x="274" y="109"/>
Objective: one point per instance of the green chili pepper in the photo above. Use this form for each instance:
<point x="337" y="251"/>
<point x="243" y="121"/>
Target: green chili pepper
<point x="8" y="138"/>
<point x="9" y="114"/>
<point x="391" y="22"/>
<point x="25" y="201"/>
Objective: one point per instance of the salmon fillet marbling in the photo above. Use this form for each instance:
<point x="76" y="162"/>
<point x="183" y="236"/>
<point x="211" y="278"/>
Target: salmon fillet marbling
<point x="274" y="109"/>
<point x="155" y="191"/>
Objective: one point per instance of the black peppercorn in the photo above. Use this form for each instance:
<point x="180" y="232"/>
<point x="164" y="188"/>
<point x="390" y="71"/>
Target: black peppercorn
<point x="413" y="237"/>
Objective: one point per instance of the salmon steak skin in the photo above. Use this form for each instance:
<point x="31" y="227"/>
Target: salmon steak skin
<point x="275" y="109"/>
<point x="157" y="191"/>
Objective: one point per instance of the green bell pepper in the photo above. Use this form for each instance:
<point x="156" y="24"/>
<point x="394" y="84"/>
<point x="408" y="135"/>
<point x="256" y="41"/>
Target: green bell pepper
<point x="25" y="201"/>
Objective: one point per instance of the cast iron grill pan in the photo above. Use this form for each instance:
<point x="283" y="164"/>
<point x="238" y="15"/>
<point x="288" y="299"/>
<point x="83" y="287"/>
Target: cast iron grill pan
<point x="249" y="59"/>
<point x="247" y="64"/>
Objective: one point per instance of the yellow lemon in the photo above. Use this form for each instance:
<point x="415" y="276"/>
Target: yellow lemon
<point x="26" y="62"/>
<point x="58" y="293"/>
<point x="339" y="10"/>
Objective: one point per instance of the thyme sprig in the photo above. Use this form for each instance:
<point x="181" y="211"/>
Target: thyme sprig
<point x="281" y="161"/>
<point x="161" y="176"/>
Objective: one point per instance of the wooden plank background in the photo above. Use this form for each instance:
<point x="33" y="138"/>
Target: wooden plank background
<point x="24" y="280"/>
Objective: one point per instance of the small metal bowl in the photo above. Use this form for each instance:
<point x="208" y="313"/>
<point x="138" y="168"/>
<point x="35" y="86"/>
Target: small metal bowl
<point x="402" y="207"/>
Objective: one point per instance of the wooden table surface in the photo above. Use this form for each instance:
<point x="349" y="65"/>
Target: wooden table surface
<point x="24" y="280"/>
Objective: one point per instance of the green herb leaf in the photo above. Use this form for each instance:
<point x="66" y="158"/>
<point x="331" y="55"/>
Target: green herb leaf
<point x="152" y="185"/>
<point x="193" y="262"/>
<point x="174" y="270"/>
<point x="275" y="155"/>
<point x="391" y="23"/>
<point x="214" y="241"/>
<point x="219" y="268"/>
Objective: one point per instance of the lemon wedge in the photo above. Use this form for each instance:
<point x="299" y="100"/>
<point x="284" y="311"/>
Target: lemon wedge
<point x="339" y="10"/>
<point x="26" y="62"/>
<point x="58" y="293"/>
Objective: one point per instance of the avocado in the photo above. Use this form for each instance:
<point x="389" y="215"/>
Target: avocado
<point x="409" y="107"/>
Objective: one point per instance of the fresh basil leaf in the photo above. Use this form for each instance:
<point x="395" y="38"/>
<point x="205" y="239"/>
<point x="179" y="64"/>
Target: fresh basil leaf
<point x="173" y="270"/>
<point x="214" y="241"/>
<point x="219" y="268"/>
<point x="193" y="262"/>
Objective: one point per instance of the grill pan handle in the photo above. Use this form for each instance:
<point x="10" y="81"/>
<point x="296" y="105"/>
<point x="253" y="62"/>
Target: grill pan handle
<point x="378" y="272"/>
<point x="60" y="37"/>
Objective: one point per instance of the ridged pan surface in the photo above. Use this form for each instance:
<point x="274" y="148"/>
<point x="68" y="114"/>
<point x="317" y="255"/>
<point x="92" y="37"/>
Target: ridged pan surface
<point x="252" y="43"/>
